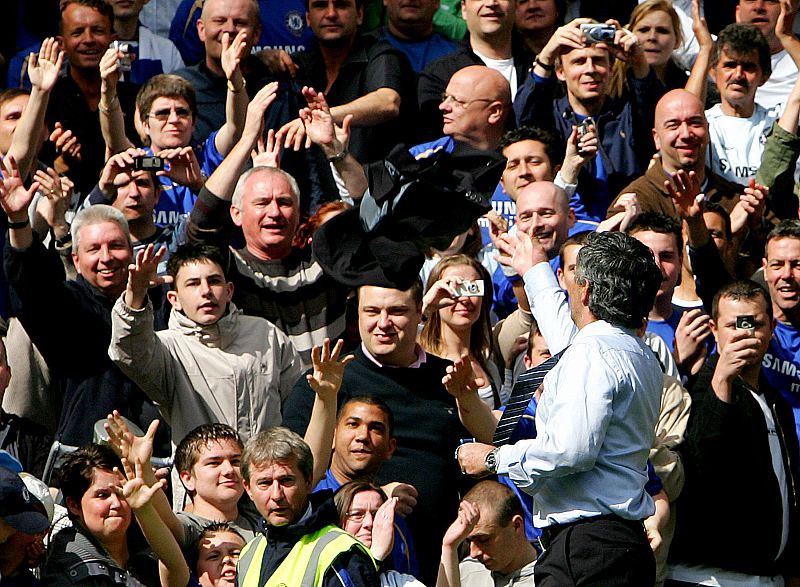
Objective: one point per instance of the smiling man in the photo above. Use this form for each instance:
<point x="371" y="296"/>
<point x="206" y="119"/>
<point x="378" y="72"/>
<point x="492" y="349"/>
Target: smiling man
<point x="212" y="364"/>
<point x="277" y="467"/>
<point x="392" y="367"/>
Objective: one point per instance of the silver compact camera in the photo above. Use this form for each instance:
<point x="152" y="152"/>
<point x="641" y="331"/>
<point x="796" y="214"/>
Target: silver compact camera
<point x="469" y="288"/>
<point x="129" y="49"/>
<point x="598" y="33"/>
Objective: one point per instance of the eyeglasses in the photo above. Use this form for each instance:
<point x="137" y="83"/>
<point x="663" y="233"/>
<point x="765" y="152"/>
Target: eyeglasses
<point x="163" y="115"/>
<point x="462" y="104"/>
<point x="359" y="515"/>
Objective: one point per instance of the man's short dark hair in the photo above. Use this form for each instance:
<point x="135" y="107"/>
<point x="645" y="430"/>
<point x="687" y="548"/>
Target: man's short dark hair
<point x="659" y="223"/>
<point x="417" y="290"/>
<point x="195" y="253"/>
<point x="100" y="6"/>
<point x="500" y="498"/>
<point x="738" y="39"/>
<point x="165" y="85"/>
<point x="371" y="400"/>
<point x="785" y="229"/>
<point x="743" y="290"/>
<point x="554" y="146"/>
<point x="277" y="445"/>
<point x="9" y="94"/>
<point x="579" y="238"/>
<point x="707" y="206"/>
<point x="622" y="278"/>
<point x="188" y="452"/>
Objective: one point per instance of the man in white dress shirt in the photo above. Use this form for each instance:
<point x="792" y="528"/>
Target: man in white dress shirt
<point x="587" y="466"/>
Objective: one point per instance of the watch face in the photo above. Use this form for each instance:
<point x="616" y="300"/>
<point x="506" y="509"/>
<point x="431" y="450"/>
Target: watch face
<point x="491" y="461"/>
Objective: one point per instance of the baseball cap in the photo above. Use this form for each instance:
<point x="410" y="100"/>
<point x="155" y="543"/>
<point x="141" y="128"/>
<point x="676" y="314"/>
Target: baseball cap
<point x="19" y="508"/>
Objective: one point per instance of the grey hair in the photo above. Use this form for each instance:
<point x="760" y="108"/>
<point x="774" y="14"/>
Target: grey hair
<point x="622" y="276"/>
<point x="98" y="214"/>
<point x="238" y="192"/>
<point x="276" y="445"/>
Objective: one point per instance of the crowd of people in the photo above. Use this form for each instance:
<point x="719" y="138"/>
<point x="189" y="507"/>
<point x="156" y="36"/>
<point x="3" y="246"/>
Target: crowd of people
<point x="401" y="293"/>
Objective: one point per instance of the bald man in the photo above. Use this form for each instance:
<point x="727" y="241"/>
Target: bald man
<point x="681" y="136"/>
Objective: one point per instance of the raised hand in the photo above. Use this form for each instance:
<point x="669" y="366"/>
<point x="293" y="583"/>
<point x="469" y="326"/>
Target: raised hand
<point x="686" y="193"/>
<point x="134" y="489"/>
<point x="405" y="494"/>
<point x="520" y="252"/>
<point x="14" y="198"/>
<point x="267" y="154"/>
<point x="440" y="295"/>
<point x="58" y="194"/>
<point x="233" y="51"/>
<point x="43" y="69"/>
<point x="460" y="380"/>
<point x="137" y="449"/>
<point x="183" y="167"/>
<point x="143" y="274"/>
<point x="468" y="516"/>
<point x="690" y="336"/>
<point x="254" y="121"/>
<point x="383" y="530"/>
<point x="120" y="164"/>
<point x="621" y="220"/>
<point x="700" y="27"/>
<point x="68" y="149"/>
<point x="109" y="69"/>
<point x="327" y="370"/>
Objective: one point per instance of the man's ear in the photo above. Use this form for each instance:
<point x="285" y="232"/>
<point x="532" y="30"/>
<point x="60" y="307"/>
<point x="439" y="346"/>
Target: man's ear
<point x="172" y="297"/>
<point x="73" y="507"/>
<point x="75" y="263"/>
<point x="560" y="277"/>
<point x="656" y="140"/>
<point x="201" y="30"/>
<point x="187" y="480"/>
<point x="392" y="448"/>
<point x="713" y="325"/>
<point x="236" y="216"/>
<point x="496" y="111"/>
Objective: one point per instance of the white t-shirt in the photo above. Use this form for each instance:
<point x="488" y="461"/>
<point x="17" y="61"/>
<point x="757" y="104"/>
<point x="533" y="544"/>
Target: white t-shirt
<point x="737" y="144"/>
<point x="779" y="85"/>
<point x="506" y="69"/>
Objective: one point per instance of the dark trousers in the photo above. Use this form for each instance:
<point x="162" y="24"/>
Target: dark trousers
<point x="605" y="551"/>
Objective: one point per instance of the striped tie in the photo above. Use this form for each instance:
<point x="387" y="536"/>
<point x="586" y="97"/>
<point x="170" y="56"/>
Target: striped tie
<point x="521" y="395"/>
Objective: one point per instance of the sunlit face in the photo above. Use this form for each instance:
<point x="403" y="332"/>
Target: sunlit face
<point x="533" y="16"/>
<point x="467" y="309"/>
<point x="86" y="36"/>
<point x="358" y="520"/>
<point x="657" y="37"/>
<point x="201" y="292"/>
<point x="494" y="546"/>
<point x="782" y="274"/>
<point x="487" y="18"/>
<point x="586" y="73"/>
<point x="763" y="14"/>
<point x="137" y="195"/>
<point x="101" y="511"/>
<point x="539" y="351"/>
<point x="334" y="21"/>
<point x="361" y="441"/>
<point x="127" y="8"/>
<point x="681" y="133"/>
<point x="10" y="113"/>
<point x="387" y="321"/>
<point x="724" y="327"/>
<point x="668" y="258"/>
<point x="169" y="123"/>
<point x="269" y="214"/>
<point x="543" y="213"/>
<point x="526" y="161"/>
<point x="103" y="256"/>
<point x="566" y="273"/>
<point x="227" y="16"/>
<point x="466" y="110"/>
<point x="738" y="77"/>
<point x="216" y="476"/>
<point x="279" y="491"/>
<point x="218" y="553"/>
<point x="411" y="12"/>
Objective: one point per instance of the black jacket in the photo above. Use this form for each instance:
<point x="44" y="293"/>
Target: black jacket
<point x="730" y="510"/>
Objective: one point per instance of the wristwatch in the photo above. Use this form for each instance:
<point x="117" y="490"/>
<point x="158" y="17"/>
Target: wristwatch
<point x="490" y="462"/>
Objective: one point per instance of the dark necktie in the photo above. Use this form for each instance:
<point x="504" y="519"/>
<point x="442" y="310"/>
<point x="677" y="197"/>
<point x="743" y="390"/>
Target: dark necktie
<point x="521" y="395"/>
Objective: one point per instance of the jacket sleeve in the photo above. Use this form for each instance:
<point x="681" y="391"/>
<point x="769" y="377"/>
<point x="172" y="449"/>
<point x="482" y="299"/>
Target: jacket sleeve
<point x="352" y="569"/>
<point x="709" y="271"/>
<point x="210" y="221"/>
<point x="645" y="94"/>
<point x="670" y="430"/>
<point x="139" y="353"/>
<point x="298" y="406"/>
<point x="777" y="171"/>
<point x="533" y="103"/>
<point x="291" y="365"/>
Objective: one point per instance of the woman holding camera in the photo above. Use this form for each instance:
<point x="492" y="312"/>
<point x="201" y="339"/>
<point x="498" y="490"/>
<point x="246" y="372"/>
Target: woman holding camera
<point x="457" y="306"/>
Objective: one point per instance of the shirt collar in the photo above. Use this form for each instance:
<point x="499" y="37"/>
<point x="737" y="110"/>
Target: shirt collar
<point x="422" y="357"/>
